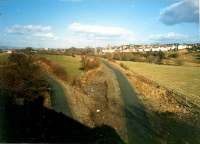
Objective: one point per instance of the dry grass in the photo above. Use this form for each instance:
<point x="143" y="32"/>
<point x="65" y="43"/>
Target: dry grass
<point x="184" y="79"/>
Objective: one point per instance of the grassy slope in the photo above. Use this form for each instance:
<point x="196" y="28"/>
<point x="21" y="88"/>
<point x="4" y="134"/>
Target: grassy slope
<point x="3" y="58"/>
<point x="70" y="64"/>
<point x="184" y="79"/>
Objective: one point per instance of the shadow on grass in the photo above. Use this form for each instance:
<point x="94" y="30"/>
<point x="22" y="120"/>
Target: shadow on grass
<point x="35" y="123"/>
<point x="172" y="130"/>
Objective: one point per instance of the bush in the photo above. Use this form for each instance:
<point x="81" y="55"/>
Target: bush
<point x="117" y="56"/>
<point x="137" y="57"/>
<point x="56" y="69"/>
<point x="22" y="78"/>
<point x="89" y="63"/>
<point x="195" y="48"/>
<point x="59" y="71"/>
<point x="158" y="60"/>
<point x="173" y="55"/>
<point x="151" y="57"/>
<point x="159" y="56"/>
<point x="123" y="66"/>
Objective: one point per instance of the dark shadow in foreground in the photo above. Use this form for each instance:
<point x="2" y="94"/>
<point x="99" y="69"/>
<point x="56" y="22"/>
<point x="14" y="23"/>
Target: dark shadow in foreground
<point x="35" y="123"/>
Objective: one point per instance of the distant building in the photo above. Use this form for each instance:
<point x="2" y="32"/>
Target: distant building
<point x="183" y="46"/>
<point x="9" y="51"/>
<point x="144" y="48"/>
<point x="46" y="49"/>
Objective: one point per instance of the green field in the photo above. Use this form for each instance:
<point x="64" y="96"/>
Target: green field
<point x="184" y="79"/>
<point x="3" y="58"/>
<point x="70" y="64"/>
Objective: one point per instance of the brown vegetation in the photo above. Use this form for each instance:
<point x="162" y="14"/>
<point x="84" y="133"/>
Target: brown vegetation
<point x="123" y="66"/>
<point x="22" y="78"/>
<point x="89" y="63"/>
<point x="55" y="68"/>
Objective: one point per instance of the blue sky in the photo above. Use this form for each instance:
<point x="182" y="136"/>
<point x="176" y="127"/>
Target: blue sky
<point x="81" y="23"/>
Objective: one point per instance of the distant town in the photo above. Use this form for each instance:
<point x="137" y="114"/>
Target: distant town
<point x="147" y="48"/>
<point x="122" y="48"/>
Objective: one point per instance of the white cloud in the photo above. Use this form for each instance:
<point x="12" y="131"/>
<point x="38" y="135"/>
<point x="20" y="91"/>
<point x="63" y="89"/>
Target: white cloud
<point x="181" y="12"/>
<point x="47" y="35"/>
<point x="168" y="37"/>
<point x="21" y="29"/>
<point x="100" y="32"/>
<point x="98" y="35"/>
<point x="32" y="30"/>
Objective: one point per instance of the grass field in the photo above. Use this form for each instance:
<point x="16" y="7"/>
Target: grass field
<point x="184" y="79"/>
<point x="3" y="58"/>
<point x="70" y="64"/>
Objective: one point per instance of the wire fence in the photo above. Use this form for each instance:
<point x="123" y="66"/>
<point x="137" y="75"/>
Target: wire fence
<point x="177" y="95"/>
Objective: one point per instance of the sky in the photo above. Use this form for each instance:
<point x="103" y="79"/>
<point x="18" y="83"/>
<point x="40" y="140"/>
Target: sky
<point x="97" y="23"/>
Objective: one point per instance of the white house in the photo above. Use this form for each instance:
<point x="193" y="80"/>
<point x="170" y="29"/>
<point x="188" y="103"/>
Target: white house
<point x="46" y="49"/>
<point x="144" y="48"/>
<point x="9" y="51"/>
<point x="182" y="46"/>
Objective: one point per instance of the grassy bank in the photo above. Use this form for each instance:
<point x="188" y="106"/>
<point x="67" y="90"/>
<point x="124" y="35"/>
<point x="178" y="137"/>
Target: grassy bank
<point x="70" y="64"/>
<point x="184" y="79"/>
<point x="3" y="58"/>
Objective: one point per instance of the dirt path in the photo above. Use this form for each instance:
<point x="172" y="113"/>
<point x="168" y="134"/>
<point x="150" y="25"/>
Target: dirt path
<point x="58" y="98"/>
<point x="137" y="123"/>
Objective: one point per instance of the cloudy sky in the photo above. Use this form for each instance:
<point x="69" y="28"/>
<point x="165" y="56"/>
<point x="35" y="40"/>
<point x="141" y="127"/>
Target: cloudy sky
<point x="81" y="23"/>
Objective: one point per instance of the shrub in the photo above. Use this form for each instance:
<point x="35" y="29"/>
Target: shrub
<point x="195" y="48"/>
<point x="22" y="78"/>
<point x="158" y="60"/>
<point x="59" y="71"/>
<point x="159" y="56"/>
<point x="56" y="69"/>
<point x="123" y="66"/>
<point x="173" y="55"/>
<point x="117" y="56"/>
<point x="89" y="63"/>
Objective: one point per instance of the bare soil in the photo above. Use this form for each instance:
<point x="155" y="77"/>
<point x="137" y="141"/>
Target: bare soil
<point x="97" y="102"/>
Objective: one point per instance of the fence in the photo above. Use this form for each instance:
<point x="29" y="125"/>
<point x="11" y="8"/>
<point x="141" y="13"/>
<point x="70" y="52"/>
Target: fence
<point x="177" y="95"/>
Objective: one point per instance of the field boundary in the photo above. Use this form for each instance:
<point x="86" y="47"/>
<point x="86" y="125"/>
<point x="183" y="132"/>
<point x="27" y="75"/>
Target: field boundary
<point x="178" y="96"/>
